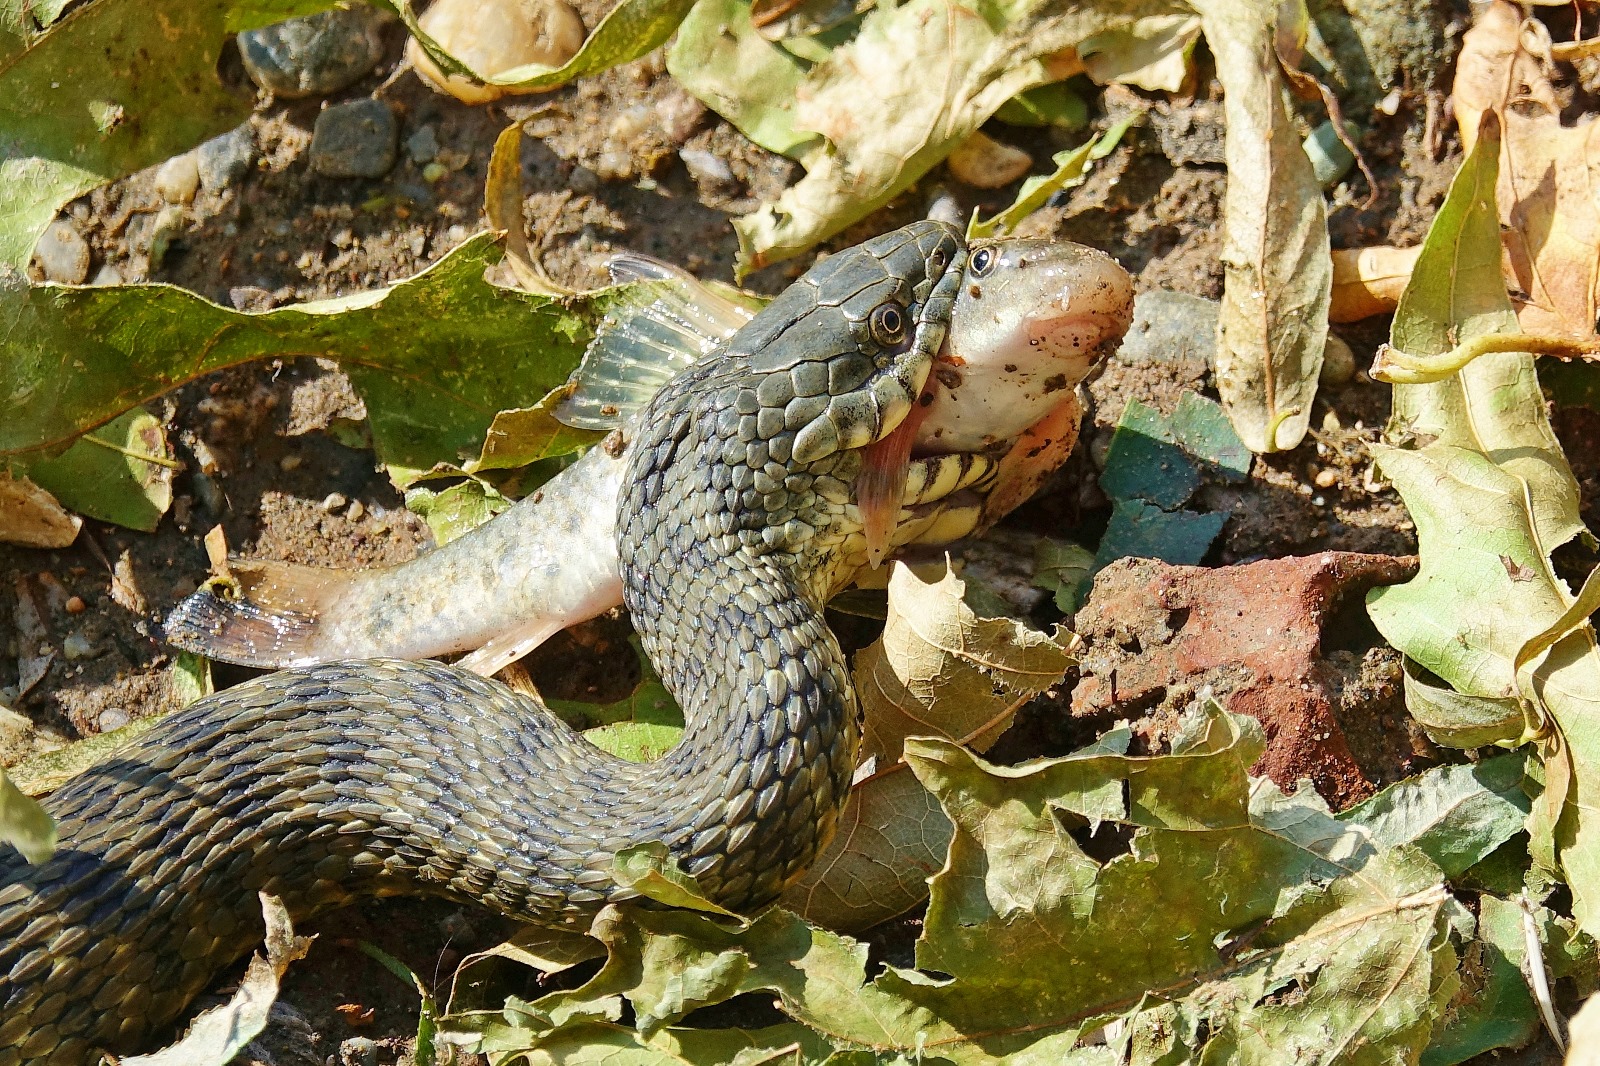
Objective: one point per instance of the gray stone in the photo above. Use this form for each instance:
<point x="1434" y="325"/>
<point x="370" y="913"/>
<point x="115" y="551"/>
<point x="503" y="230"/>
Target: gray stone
<point x="358" y="1051"/>
<point x="62" y="254"/>
<point x="354" y="140"/>
<point x="226" y="159"/>
<point x="315" y="55"/>
<point x="706" y="168"/>
<point x="178" y="179"/>
<point x="422" y="145"/>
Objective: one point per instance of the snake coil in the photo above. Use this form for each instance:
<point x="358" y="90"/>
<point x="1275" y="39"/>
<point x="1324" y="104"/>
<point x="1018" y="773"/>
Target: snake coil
<point x="381" y="777"/>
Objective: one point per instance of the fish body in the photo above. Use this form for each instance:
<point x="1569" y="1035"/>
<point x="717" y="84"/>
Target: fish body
<point x="1030" y="320"/>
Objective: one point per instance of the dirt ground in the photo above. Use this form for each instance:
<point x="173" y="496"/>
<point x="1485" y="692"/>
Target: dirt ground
<point x="603" y="172"/>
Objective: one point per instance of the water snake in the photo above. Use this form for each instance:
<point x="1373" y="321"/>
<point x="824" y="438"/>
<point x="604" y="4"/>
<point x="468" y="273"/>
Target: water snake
<point x="326" y="783"/>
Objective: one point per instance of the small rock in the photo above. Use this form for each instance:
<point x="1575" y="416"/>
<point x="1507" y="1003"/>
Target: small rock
<point x="356" y="510"/>
<point x="251" y="298"/>
<point x="334" y="501"/>
<point x="75" y="605"/>
<point x="62" y="254"/>
<point x="178" y="179"/>
<point x="315" y="55"/>
<point x="422" y="145"/>
<point x="706" y="168"/>
<point x="985" y="163"/>
<point x="107" y="275"/>
<point x="112" y="718"/>
<point x="167" y="228"/>
<point x="354" y="140"/>
<point x="76" y="646"/>
<point x="224" y="160"/>
<point x="290" y="462"/>
<point x="1327" y="478"/>
<point x="679" y="115"/>
<point x="433" y="172"/>
<point x="358" y="1051"/>
<point x="944" y="207"/>
<point x="1338" y="363"/>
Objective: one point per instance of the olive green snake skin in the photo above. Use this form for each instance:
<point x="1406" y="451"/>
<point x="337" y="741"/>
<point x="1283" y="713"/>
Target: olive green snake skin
<point x="329" y="783"/>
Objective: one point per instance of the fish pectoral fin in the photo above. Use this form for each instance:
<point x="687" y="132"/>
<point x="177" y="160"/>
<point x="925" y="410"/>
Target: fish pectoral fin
<point x="881" y="485"/>
<point x="506" y="648"/>
<point x="664" y="321"/>
<point x="258" y="613"/>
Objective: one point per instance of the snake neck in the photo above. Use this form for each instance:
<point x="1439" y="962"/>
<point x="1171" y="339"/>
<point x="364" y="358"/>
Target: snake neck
<point x="728" y="601"/>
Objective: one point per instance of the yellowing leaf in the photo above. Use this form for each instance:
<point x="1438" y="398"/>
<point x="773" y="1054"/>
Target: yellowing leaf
<point x="938" y="670"/>
<point x="915" y="82"/>
<point x="32" y="517"/>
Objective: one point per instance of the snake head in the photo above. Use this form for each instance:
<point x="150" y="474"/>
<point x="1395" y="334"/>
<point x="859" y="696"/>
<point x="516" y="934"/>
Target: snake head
<point x="839" y="358"/>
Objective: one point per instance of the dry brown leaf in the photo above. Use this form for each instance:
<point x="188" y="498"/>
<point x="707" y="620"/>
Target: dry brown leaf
<point x="1549" y="186"/>
<point x="1369" y="281"/>
<point x="938" y="670"/>
<point x="30" y="516"/>
<point x="1273" y="324"/>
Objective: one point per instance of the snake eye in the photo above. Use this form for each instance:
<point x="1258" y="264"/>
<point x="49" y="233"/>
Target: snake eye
<point x="938" y="260"/>
<point x="983" y="261"/>
<point x="888" y="324"/>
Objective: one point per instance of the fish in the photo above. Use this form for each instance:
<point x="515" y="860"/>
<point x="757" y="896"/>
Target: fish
<point x="998" y="414"/>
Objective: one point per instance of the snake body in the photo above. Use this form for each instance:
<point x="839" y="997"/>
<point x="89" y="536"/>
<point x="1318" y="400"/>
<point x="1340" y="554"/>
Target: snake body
<point x="379" y="777"/>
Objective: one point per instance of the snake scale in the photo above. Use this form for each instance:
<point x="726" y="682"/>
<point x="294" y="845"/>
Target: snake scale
<point x="378" y="777"/>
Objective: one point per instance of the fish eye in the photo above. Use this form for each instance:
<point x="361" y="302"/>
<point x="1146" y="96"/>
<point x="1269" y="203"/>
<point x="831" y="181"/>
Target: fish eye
<point x="888" y="324"/>
<point x="983" y="261"/>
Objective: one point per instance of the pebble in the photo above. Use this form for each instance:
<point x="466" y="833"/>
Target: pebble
<point x="251" y="298"/>
<point x="167" y="228"/>
<point x="679" y="115"/>
<point x="433" y="172"/>
<point x="1327" y="478"/>
<point x="315" y="55"/>
<point x="75" y="605"/>
<point x="354" y="140"/>
<point x="107" y="275"/>
<point x="178" y="179"/>
<point x="112" y="718"/>
<point x="224" y="160"/>
<point x="62" y="254"/>
<point x="289" y="462"/>
<point x="358" y="1051"/>
<point x="76" y="646"/>
<point x="1338" y="363"/>
<point x="985" y="163"/>
<point x="706" y="168"/>
<point x="423" y="145"/>
<point x="334" y="501"/>
<point x="356" y="510"/>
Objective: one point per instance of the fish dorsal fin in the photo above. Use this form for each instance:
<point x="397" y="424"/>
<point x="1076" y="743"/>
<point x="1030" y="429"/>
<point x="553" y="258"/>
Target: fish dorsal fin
<point x="665" y="320"/>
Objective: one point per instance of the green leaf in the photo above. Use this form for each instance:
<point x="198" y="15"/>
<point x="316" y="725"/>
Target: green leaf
<point x="1280" y="931"/>
<point x="112" y="88"/>
<point x="635" y="741"/>
<point x="1494" y="1009"/>
<point x="190" y="678"/>
<point x="721" y="58"/>
<point x="1456" y="815"/>
<point x="455" y="509"/>
<point x="427" y="1013"/>
<point x="435" y="357"/>
<point x="1072" y="166"/>
<point x="1065" y="569"/>
<point x="24" y="824"/>
<point x="120" y="473"/>
<point x="1048" y="105"/>
<point x="631" y="29"/>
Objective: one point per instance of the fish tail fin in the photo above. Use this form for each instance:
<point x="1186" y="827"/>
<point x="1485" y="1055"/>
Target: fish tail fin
<point x="262" y="614"/>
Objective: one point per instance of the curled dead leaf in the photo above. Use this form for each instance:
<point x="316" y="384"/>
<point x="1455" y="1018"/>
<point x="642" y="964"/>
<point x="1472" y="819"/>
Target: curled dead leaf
<point x="938" y="670"/>
<point x="30" y="516"/>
